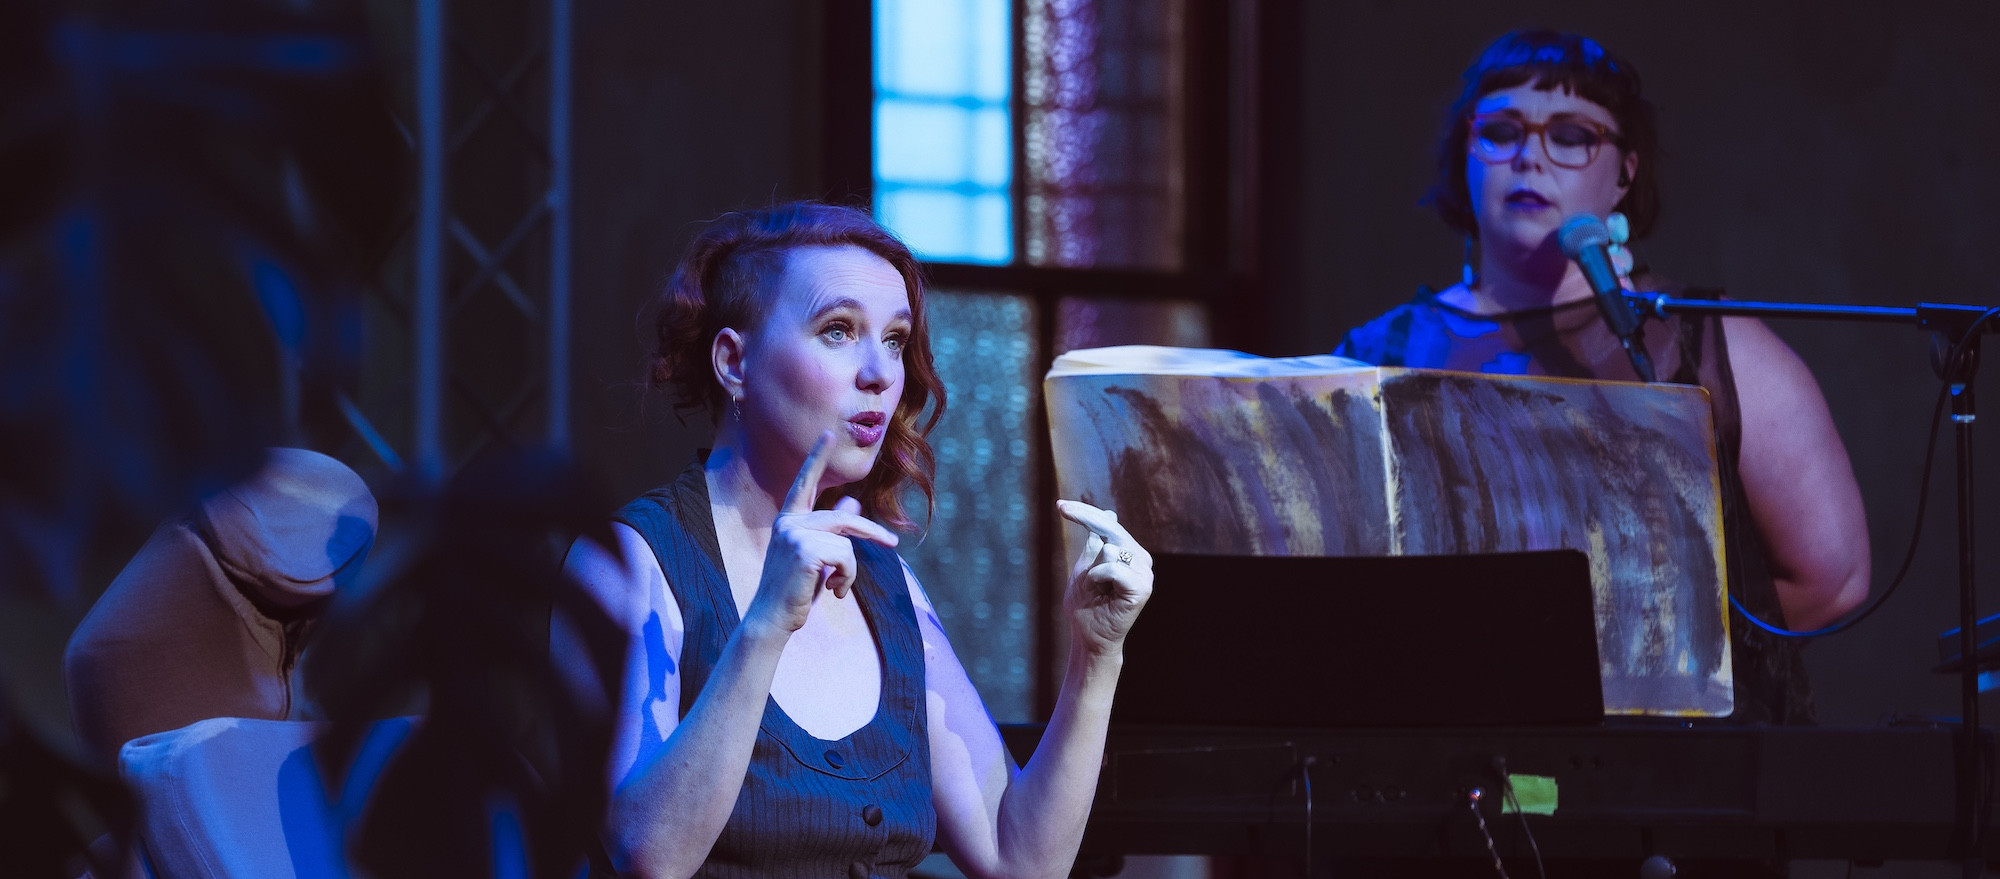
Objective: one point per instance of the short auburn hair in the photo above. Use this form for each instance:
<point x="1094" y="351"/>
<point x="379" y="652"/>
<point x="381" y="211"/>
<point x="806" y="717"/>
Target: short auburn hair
<point x="1552" y="60"/>
<point x="729" y="278"/>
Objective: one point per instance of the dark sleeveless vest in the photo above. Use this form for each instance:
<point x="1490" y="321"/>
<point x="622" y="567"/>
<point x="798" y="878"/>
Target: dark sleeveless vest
<point x="1570" y="340"/>
<point x="855" y="808"/>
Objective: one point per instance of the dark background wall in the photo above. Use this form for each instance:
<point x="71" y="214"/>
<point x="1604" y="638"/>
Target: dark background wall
<point x="684" y="111"/>
<point x="1835" y="152"/>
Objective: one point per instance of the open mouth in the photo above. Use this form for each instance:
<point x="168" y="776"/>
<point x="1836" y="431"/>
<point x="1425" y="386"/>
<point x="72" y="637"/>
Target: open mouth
<point x="867" y="427"/>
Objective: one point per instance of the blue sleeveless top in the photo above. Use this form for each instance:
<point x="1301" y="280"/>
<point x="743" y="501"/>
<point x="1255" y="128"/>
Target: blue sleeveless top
<point x="855" y="808"/>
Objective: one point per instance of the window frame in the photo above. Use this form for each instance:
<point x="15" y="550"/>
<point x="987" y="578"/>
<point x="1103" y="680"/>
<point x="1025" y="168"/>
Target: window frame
<point x="1223" y="104"/>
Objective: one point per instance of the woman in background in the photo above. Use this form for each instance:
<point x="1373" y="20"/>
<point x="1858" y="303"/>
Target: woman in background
<point x="1549" y="125"/>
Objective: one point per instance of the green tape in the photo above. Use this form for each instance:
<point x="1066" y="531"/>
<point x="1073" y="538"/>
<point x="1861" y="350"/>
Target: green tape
<point x="1531" y="794"/>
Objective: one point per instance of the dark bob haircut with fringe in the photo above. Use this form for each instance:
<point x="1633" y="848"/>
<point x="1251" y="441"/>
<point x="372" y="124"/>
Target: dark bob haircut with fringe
<point x="1552" y="60"/>
<point x="729" y="278"/>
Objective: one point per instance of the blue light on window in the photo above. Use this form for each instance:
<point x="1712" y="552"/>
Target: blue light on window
<point x="943" y="150"/>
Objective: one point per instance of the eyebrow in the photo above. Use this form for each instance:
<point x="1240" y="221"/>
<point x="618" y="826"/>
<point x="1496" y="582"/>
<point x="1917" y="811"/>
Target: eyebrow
<point x="855" y="304"/>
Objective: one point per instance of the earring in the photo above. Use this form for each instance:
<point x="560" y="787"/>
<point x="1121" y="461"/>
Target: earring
<point x="736" y="408"/>
<point x="1621" y="232"/>
<point x="1467" y="274"/>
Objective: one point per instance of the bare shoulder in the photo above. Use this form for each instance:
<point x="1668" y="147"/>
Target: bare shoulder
<point x="917" y="595"/>
<point x="1761" y="360"/>
<point x="1749" y="333"/>
<point x="1775" y="390"/>
<point x="928" y="621"/>
<point x="620" y="576"/>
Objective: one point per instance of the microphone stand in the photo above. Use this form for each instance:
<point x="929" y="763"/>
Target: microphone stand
<point x="1635" y="350"/>
<point x="1947" y="324"/>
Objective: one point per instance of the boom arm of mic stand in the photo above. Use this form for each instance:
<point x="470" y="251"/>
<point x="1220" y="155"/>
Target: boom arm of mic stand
<point x="1660" y="305"/>
<point x="1950" y="319"/>
<point x="1950" y="325"/>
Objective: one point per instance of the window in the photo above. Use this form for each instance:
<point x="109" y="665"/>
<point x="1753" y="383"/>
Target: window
<point x="943" y="157"/>
<point x="1041" y="157"/>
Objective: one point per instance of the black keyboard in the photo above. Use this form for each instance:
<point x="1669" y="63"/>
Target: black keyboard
<point x="1703" y="792"/>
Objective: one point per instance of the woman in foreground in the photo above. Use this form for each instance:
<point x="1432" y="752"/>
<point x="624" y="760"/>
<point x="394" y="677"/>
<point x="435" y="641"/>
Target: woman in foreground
<point x="792" y="706"/>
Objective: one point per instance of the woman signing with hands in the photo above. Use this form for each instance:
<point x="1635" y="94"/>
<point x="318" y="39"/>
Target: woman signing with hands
<point x="791" y="705"/>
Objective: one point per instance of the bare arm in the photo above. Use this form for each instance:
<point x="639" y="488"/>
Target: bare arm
<point x="1800" y="485"/>
<point x="993" y="819"/>
<point x="674" y="781"/>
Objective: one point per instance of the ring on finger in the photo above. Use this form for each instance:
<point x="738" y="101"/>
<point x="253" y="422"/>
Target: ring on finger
<point x="1124" y="556"/>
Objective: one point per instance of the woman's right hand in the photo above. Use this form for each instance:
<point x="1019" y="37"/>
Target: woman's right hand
<point x="809" y="549"/>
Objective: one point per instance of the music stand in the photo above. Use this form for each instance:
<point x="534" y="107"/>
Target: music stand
<point x="1300" y="641"/>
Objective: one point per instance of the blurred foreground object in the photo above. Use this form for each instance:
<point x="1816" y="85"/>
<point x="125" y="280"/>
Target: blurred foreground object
<point x="209" y="618"/>
<point x="240" y="798"/>
<point x="500" y="769"/>
<point x="193" y="194"/>
<point x="507" y="769"/>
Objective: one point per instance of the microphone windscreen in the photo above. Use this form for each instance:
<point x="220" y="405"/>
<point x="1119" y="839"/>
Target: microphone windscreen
<point x="1581" y="232"/>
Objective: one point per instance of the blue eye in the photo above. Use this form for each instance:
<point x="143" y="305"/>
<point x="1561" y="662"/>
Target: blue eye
<point x="838" y="331"/>
<point x="895" y="343"/>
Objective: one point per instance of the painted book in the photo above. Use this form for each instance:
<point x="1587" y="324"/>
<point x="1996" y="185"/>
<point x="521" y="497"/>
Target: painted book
<point x="1218" y="452"/>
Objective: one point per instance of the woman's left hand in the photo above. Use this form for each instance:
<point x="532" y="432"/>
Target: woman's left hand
<point x="1110" y="582"/>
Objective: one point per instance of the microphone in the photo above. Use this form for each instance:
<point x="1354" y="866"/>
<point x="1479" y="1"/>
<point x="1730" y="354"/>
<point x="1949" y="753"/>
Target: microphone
<point x="1585" y="239"/>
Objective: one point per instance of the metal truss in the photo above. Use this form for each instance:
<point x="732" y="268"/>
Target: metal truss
<point x="476" y="280"/>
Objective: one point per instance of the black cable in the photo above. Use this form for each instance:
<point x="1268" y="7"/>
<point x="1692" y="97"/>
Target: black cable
<point x="1909" y="554"/>
<point x="1523" y="815"/>
<point x="1957" y="351"/>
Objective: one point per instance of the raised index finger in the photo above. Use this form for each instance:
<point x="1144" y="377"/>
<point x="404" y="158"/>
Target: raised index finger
<point x="1101" y="523"/>
<point x="806" y="487"/>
